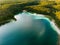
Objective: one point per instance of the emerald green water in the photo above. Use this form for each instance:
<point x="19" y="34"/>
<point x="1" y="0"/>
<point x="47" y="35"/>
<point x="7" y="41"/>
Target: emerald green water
<point x="28" y="29"/>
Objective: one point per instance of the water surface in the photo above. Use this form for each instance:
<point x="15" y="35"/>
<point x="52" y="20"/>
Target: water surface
<point x="28" y="29"/>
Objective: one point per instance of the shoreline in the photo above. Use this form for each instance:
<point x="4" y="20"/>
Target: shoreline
<point x="55" y="27"/>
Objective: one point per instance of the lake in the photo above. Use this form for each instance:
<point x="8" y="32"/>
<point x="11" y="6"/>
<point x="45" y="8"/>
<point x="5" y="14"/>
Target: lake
<point x="28" y="29"/>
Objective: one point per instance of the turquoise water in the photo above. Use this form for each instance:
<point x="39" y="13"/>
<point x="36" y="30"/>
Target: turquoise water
<point x="28" y="29"/>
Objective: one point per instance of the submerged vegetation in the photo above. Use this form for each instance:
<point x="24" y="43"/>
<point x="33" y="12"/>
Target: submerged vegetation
<point x="48" y="8"/>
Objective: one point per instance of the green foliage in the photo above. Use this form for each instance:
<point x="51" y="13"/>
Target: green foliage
<point x="49" y="8"/>
<point x="7" y="11"/>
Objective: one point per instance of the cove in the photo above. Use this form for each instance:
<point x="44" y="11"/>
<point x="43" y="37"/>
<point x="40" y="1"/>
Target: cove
<point x="28" y="29"/>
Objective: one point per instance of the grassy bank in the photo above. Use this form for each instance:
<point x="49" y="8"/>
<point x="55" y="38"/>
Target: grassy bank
<point x="7" y="11"/>
<point x="50" y="9"/>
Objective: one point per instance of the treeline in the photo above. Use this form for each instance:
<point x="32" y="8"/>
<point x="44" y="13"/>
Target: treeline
<point x="47" y="8"/>
<point x="7" y="11"/>
<point x="50" y="8"/>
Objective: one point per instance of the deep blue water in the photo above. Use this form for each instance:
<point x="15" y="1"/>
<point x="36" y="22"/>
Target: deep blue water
<point x="28" y="29"/>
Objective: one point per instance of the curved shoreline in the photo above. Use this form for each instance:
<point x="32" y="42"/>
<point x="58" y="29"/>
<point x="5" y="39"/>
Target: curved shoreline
<point x="55" y="27"/>
<point x="53" y="24"/>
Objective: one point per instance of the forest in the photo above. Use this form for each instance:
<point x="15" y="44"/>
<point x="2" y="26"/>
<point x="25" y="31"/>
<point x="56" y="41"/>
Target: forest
<point x="48" y="8"/>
